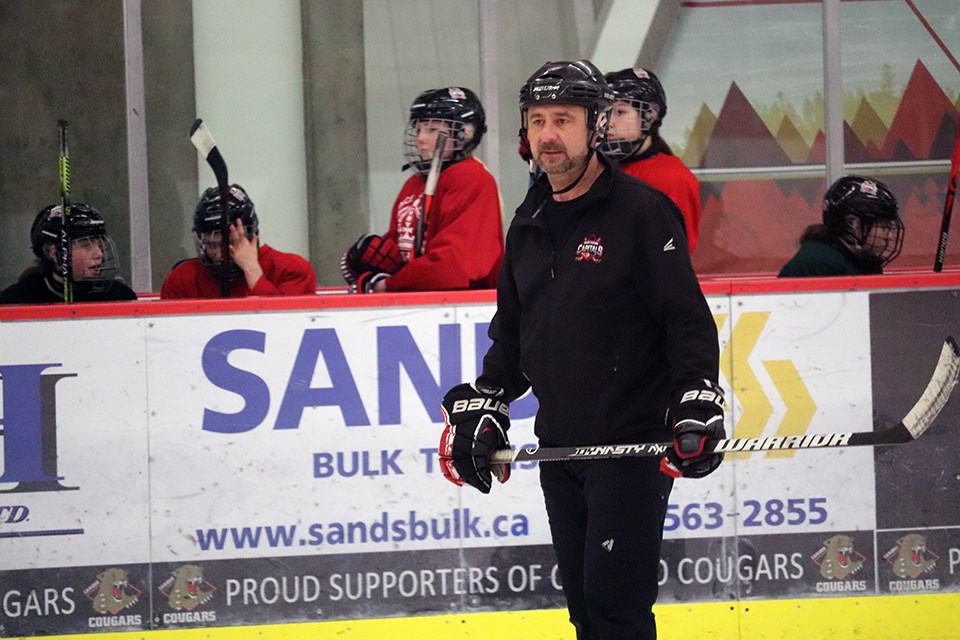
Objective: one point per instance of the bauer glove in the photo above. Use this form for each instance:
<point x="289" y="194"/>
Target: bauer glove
<point x="696" y="418"/>
<point x="476" y="425"/>
<point x="370" y="253"/>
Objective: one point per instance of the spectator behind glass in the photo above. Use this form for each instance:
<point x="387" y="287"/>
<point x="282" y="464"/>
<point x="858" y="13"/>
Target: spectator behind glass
<point x="861" y="232"/>
<point x="634" y="141"/>
<point x="93" y="258"/>
<point x="463" y="240"/>
<point x="254" y="269"/>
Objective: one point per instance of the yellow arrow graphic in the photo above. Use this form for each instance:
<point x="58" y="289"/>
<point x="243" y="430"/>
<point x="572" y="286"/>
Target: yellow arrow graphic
<point x="800" y="405"/>
<point x="756" y="407"/>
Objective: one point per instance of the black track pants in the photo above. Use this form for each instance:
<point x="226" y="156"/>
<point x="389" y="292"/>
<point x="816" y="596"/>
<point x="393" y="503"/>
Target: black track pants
<point x="606" y="519"/>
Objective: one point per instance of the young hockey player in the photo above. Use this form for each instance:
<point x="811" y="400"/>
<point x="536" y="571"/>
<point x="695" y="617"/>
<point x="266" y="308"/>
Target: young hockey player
<point x="254" y="269"/>
<point x="463" y="239"/>
<point x="93" y="258"/>
<point x="861" y="232"/>
<point x="634" y="141"/>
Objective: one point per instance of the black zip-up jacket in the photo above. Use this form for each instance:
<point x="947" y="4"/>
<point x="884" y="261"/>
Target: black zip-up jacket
<point x="608" y="324"/>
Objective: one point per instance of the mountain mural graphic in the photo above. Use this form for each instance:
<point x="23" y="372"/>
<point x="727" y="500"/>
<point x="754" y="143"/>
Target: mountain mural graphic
<point x="753" y="225"/>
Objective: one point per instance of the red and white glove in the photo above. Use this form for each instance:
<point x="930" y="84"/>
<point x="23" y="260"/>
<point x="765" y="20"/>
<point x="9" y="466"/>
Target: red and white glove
<point x="370" y="253"/>
<point x="367" y="282"/>
<point x="696" y="418"/>
<point x="477" y="421"/>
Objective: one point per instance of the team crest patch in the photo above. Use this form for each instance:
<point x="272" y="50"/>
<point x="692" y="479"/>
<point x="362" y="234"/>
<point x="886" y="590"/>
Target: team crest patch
<point x="869" y="187"/>
<point x="590" y="249"/>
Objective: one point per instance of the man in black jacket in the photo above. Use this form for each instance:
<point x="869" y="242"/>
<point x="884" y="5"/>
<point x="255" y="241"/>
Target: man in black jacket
<point x="600" y="312"/>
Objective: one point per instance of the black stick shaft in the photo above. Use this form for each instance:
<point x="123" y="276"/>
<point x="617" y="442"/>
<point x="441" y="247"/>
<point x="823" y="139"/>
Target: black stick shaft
<point x="65" y="253"/>
<point x="948" y="207"/>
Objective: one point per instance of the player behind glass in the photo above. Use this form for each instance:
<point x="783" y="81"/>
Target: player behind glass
<point x="634" y="141"/>
<point x="93" y="259"/>
<point x="254" y="269"/>
<point x="861" y="232"/>
<point x="463" y="238"/>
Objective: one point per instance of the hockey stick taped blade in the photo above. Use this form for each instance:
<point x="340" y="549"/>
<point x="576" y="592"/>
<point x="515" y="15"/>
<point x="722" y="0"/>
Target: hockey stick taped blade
<point x="938" y="391"/>
<point x="917" y="420"/>
<point x="201" y="138"/>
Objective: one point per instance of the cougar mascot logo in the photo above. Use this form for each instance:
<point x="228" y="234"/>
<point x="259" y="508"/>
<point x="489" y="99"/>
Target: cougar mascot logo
<point x="113" y="592"/>
<point x="910" y="558"/>
<point x="837" y="558"/>
<point x="187" y="588"/>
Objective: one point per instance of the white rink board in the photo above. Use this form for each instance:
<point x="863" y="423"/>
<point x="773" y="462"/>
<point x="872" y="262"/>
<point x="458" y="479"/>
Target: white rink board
<point x="101" y="443"/>
<point x="825" y="338"/>
<point x="144" y="385"/>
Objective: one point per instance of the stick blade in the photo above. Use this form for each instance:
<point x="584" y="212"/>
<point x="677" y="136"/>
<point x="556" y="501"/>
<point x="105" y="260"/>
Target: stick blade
<point x="938" y="390"/>
<point x="201" y="138"/>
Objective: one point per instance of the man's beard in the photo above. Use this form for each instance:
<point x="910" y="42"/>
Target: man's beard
<point x="567" y="164"/>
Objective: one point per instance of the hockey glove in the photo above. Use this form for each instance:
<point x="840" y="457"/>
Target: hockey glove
<point x="696" y="418"/>
<point x="476" y="425"/>
<point x="367" y="281"/>
<point x="370" y="253"/>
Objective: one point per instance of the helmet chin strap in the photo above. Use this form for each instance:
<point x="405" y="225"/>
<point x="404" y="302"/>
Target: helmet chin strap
<point x="586" y="165"/>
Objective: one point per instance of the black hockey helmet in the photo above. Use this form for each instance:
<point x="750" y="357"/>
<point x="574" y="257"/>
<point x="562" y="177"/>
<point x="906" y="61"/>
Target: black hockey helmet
<point x="579" y="83"/>
<point x="85" y="222"/>
<point x="86" y="226"/>
<point x="641" y="89"/>
<point x="206" y="217"/>
<point x="864" y="214"/>
<point x="459" y="109"/>
<point x="206" y="221"/>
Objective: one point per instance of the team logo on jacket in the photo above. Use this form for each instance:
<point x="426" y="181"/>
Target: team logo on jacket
<point x="590" y="249"/>
<point x="408" y="212"/>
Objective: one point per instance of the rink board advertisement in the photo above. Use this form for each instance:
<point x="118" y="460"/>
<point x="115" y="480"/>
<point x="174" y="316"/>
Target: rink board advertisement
<point x="223" y="469"/>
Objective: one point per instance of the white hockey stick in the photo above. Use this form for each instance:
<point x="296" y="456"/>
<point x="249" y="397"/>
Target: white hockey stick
<point x="911" y="427"/>
<point x="202" y="139"/>
<point x="429" y="189"/>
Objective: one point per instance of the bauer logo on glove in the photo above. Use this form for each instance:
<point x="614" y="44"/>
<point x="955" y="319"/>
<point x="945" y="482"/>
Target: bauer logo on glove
<point x="476" y="422"/>
<point x="696" y="419"/>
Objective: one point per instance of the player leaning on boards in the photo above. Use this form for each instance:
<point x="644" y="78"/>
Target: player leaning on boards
<point x="254" y="269"/>
<point x="599" y="311"/>
<point x="462" y="239"/>
<point x="634" y="141"/>
<point x="93" y="258"/>
<point x="861" y="232"/>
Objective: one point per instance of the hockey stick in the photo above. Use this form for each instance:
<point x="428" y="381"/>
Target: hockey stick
<point x="948" y="206"/>
<point x="65" y="253"/>
<point x="203" y="141"/>
<point x="911" y="427"/>
<point x="435" y="164"/>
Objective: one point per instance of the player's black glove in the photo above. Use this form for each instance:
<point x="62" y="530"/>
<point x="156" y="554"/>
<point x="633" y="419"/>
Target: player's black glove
<point x="476" y="425"/>
<point x="370" y="253"/>
<point x="696" y="418"/>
